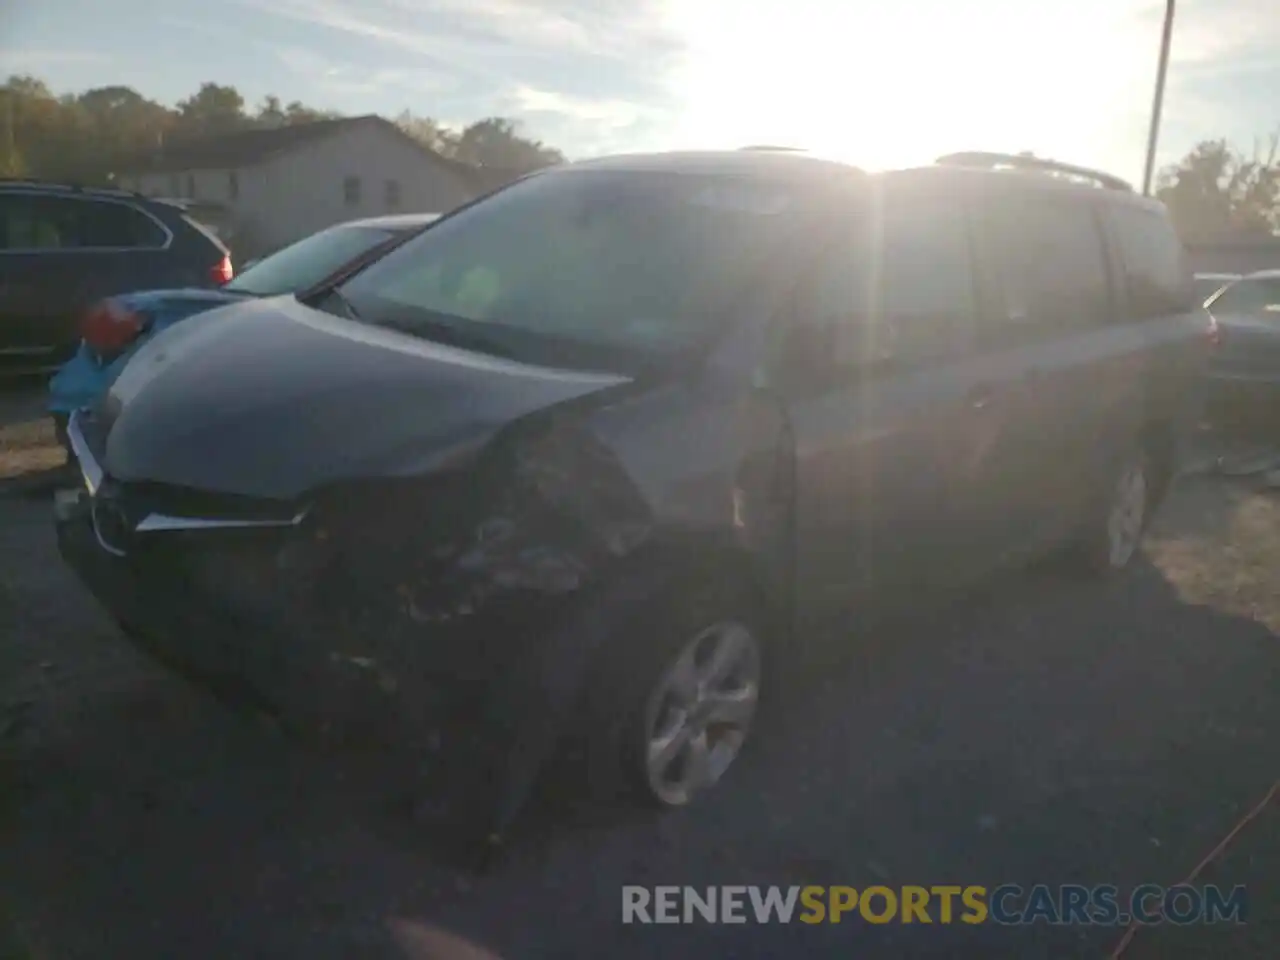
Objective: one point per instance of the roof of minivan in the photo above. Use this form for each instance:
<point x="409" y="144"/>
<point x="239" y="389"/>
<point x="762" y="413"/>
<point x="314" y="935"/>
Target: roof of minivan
<point x="976" y="176"/>
<point x="797" y="163"/>
<point x="766" y="162"/>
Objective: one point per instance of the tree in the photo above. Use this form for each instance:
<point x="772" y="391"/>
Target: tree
<point x="297" y="112"/>
<point x="86" y="136"/>
<point x="211" y="110"/>
<point x="1216" y="191"/>
<point x="271" y="114"/>
<point x="495" y="142"/>
<point x="429" y="133"/>
<point x="118" y="120"/>
<point x="40" y="131"/>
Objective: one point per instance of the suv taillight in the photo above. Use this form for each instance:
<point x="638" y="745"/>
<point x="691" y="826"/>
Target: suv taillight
<point x="108" y="327"/>
<point x="222" y="272"/>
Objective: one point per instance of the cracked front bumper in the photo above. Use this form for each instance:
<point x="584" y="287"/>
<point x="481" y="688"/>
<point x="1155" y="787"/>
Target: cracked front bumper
<point x="456" y="737"/>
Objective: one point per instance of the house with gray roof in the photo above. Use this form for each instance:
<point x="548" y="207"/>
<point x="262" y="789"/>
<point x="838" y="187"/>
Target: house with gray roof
<point x="273" y="186"/>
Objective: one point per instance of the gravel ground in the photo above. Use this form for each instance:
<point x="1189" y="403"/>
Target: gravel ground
<point x="1048" y="731"/>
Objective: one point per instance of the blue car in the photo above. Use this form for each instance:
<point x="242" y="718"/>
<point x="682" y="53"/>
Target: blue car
<point x="116" y="330"/>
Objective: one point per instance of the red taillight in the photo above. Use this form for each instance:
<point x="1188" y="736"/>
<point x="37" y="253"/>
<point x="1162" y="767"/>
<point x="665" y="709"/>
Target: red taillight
<point x="222" y="272"/>
<point x="109" y="327"/>
<point x="1214" y="333"/>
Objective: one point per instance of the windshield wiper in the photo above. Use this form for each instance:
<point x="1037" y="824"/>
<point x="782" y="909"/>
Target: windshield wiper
<point x="335" y="295"/>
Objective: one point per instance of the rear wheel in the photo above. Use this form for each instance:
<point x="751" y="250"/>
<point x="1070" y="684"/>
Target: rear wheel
<point x="1115" y="532"/>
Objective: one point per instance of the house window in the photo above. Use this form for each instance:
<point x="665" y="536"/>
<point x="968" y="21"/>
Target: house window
<point x="233" y="186"/>
<point x="351" y="191"/>
<point x="191" y="185"/>
<point x="393" y="194"/>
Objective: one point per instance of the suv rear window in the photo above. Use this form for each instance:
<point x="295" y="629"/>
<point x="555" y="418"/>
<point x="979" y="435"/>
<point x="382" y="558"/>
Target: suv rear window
<point x="205" y="231"/>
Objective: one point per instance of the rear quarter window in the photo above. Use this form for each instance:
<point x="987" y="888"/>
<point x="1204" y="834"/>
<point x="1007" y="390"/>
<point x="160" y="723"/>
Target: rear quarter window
<point x="204" y="231"/>
<point x="1157" y="279"/>
<point x="105" y="224"/>
<point x="1046" y="257"/>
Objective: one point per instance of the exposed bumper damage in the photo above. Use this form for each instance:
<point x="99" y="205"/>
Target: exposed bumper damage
<point x="436" y="613"/>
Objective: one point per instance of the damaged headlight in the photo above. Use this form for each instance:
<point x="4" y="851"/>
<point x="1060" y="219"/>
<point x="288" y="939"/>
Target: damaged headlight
<point x="582" y="483"/>
<point x="538" y="516"/>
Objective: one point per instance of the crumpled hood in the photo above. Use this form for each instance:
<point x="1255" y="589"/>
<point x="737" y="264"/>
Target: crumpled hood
<point x="275" y="399"/>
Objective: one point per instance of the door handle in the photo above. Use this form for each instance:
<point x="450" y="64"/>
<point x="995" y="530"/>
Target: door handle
<point x="980" y="396"/>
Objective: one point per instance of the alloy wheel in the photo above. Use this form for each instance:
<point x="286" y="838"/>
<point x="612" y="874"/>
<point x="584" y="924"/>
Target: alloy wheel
<point x="699" y="714"/>
<point x="1127" y="516"/>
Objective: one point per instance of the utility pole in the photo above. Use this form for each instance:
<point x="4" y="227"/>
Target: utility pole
<point x="10" y="143"/>
<point x="1157" y="105"/>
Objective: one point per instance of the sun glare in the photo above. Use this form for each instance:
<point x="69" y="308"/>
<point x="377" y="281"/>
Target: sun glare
<point x="882" y="84"/>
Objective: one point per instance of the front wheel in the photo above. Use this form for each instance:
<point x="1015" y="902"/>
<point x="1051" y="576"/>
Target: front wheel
<point x="698" y="714"/>
<point x="674" y="700"/>
<point x="60" y="431"/>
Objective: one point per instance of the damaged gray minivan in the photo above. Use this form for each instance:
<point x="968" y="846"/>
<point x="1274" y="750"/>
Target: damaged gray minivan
<point x="576" y="468"/>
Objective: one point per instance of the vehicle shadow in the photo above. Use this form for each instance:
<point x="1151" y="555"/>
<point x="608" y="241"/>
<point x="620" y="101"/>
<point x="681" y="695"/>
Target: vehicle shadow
<point x="1041" y="730"/>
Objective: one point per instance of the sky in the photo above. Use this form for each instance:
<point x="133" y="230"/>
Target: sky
<point x="875" y="82"/>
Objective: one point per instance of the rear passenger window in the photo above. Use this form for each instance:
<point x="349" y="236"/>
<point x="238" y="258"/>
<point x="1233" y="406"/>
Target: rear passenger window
<point x="1157" y="279"/>
<point x="1049" y="266"/>
<point x="30" y="223"/>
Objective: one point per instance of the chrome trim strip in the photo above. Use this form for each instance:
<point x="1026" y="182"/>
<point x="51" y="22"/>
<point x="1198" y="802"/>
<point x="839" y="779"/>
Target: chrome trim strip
<point x="89" y="468"/>
<point x="154" y="522"/>
<point x="97" y="534"/>
<point x="157" y="522"/>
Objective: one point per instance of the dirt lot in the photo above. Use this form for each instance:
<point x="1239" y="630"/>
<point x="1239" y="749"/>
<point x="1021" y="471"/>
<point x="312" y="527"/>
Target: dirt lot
<point x="1047" y="732"/>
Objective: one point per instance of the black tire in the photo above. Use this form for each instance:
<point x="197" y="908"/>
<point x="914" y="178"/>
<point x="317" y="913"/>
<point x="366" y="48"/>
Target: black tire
<point x="613" y="742"/>
<point x="1103" y="548"/>
<point x="60" y="431"/>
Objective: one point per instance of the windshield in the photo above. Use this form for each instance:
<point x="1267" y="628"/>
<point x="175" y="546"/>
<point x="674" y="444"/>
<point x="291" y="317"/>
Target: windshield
<point x="307" y="262"/>
<point x="614" y="267"/>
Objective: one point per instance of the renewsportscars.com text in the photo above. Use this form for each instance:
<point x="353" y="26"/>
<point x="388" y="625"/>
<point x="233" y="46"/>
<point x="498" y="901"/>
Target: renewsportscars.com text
<point x="1009" y="904"/>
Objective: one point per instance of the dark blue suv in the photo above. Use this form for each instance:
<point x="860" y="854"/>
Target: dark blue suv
<point x="63" y="248"/>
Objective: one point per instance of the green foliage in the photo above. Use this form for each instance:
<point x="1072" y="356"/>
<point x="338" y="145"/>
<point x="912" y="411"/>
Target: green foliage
<point x="85" y="136"/>
<point x="1216" y="191"/>
<point x="491" y="142"/>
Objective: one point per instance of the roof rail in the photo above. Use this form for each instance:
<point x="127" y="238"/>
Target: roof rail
<point x="1012" y="161"/>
